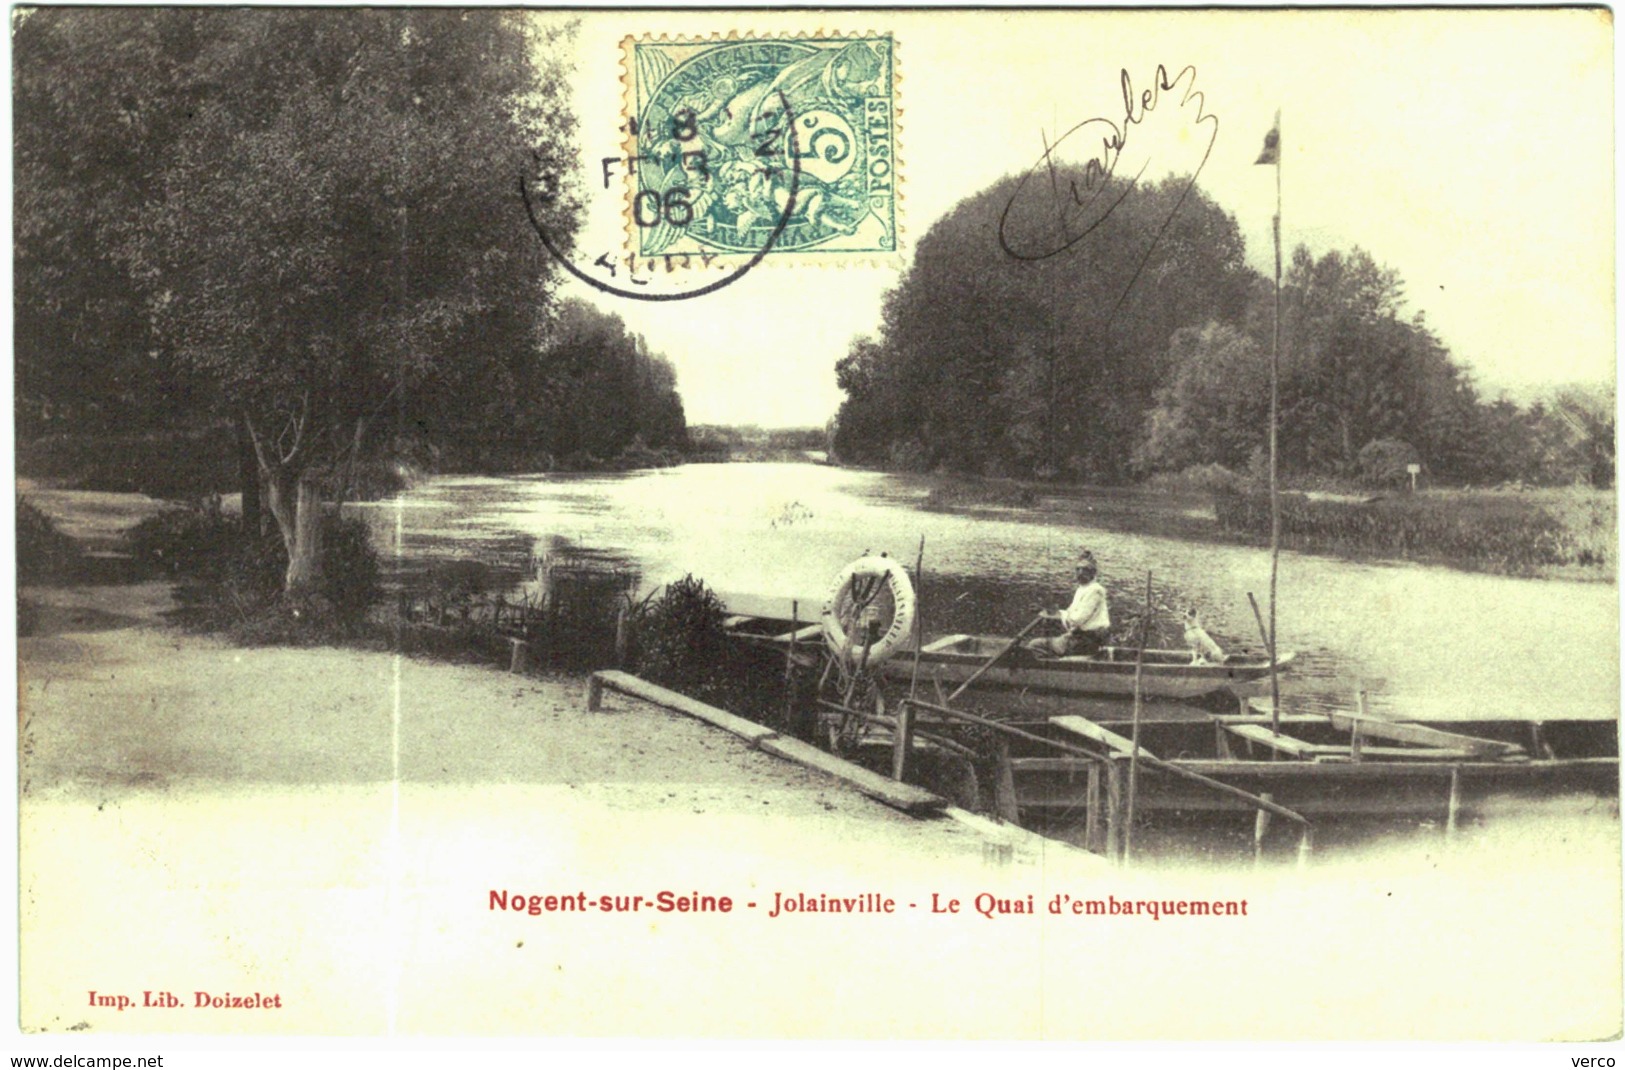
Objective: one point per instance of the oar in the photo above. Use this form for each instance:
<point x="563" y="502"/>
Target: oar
<point x="1011" y="645"/>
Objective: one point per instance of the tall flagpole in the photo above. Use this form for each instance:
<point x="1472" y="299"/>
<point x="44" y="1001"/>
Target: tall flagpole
<point x="1275" y="404"/>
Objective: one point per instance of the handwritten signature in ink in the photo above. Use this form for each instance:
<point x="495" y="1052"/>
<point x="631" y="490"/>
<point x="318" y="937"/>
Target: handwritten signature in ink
<point x="1083" y="202"/>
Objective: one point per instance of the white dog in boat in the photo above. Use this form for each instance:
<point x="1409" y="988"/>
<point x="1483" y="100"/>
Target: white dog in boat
<point x="1204" y="651"/>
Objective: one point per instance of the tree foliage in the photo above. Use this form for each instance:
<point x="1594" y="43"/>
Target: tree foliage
<point x="589" y="388"/>
<point x="985" y="362"/>
<point x="90" y="140"/>
<point x="1145" y="348"/>
<point x="1356" y="373"/>
<point x="304" y="221"/>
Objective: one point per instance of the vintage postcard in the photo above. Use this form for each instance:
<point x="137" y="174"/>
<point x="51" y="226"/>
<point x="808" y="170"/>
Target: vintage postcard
<point x="874" y="524"/>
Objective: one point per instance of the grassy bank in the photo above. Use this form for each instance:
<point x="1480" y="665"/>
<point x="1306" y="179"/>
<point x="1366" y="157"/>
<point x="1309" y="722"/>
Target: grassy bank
<point x="1569" y="532"/>
<point x="1551" y="533"/>
<point x="963" y="492"/>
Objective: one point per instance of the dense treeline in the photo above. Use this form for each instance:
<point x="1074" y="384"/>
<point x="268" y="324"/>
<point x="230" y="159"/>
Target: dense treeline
<point x="751" y="442"/>
<point x="1145" y="349"/>
<point x="587" y="394"/>
<point x="295" y="231"/>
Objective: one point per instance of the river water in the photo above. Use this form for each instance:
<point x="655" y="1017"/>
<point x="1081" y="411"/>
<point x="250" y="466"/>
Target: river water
<point x="1426" y="642"/>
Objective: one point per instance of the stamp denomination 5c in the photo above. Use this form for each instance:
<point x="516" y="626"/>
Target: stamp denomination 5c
<point x="742" y="144"/>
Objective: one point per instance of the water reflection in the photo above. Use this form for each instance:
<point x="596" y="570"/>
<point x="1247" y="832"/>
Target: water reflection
<point x="1429" y="643"/>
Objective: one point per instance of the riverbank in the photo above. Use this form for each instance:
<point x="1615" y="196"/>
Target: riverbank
<point x="1568" y="533"/>
<point x="327" y="826"/>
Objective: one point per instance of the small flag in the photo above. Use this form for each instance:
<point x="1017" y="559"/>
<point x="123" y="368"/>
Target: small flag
<point x="1272" y="145"/>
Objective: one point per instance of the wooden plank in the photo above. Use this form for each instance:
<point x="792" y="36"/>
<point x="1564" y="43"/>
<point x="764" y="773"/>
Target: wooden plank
<point x="1370" y="788"/>
<point x="1082" y="726"/>
<point x="1257" y="733"/>
<point x="627" y="684"/>
<point x="1422" y="735"/>
<point x="1483" y="772"/>
<point x="1052" y="765"/>
<point x="1264" y="718"/>
<point x="1425" y="754"/>
<point x="800" y="635"/>
<point x="904" y="797"/>
<point x="1321" y="751"/>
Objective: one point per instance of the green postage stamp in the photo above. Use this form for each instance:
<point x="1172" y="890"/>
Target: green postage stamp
<point x="763" y="147"/>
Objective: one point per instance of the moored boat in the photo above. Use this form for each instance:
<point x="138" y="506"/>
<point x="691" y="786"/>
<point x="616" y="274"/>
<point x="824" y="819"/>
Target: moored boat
<point x="1337" y="765"/>
<point x="953" y="659"/>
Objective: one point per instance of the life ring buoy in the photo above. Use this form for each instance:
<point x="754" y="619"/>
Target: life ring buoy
<point x="873" y="588"/>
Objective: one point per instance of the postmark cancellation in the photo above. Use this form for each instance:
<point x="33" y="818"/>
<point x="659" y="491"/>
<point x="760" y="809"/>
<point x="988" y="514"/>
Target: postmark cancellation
<point x="786" y="145"/>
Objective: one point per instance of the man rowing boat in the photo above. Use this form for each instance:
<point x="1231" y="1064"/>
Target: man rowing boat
<point x="1087" y="621"/>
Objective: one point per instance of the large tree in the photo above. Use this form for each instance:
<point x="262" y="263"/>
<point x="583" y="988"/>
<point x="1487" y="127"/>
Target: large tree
<point x="992" y="363"/>
<point x="333" y="215"/>
<point x="89" y="151"/>
<point x="1355" y="369"/>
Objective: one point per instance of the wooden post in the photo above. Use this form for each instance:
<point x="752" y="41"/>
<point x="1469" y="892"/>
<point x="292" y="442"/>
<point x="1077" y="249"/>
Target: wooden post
<point x="1357" y="730"/>
<point x="919" y="620"/>
<point x="519" y="661"/>
<point x="1004" y="792"/>
<point x="869" y="629"/>
<point x="1306" y="846"/>
<point x="550" y="629"/>
<point x="1091" y="810"/>
<point x="595" y="693"/>
<point x="1541" y="748"/>
<point x="902" y="739"/>
<point x="1139" y="701"/>
<point x="1275" y="423"/>
<point x="1454" y="806"/>
<point x="790" y="667"/>
<point x="622" y="637"/>
<point x="1269" y="638"/>
<point x="1261" y="825"/>
<point x="1114" y="809"/>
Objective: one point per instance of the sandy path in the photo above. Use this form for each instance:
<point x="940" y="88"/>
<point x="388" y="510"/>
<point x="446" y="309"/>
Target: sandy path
<point x="270" y="824"/>
<point x="329" y="825"/>
<point x="112" y="706"/>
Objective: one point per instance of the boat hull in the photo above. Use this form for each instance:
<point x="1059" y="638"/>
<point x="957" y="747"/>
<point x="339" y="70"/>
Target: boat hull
<point x="1165" y="673"/>
<point x="1395" y="778"/>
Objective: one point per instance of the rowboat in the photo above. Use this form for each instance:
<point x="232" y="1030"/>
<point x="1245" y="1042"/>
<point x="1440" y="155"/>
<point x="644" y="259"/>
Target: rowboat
<point x="950" y="660"/>
<point x="953" y="659"/>
<point x="1324" y="766"/>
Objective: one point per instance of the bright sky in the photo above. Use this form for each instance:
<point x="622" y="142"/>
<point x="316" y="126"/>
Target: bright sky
<point x="1470" y="150"/>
